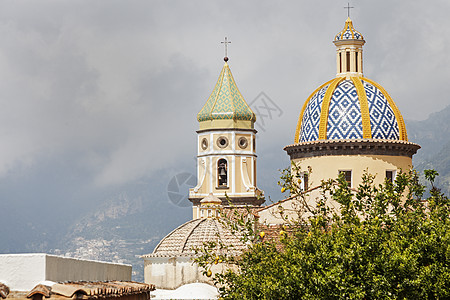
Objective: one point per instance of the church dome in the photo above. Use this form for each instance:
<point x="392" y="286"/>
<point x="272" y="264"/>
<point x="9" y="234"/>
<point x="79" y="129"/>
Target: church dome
<point x="191" y="235"/>
<point x="354" y="108"/>
<point x="348" y="33"/>
<point x="349" y="106"/>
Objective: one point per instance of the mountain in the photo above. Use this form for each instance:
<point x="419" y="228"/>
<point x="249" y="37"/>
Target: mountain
<point x="433" y="135"/>
<point x="127" y="224"/>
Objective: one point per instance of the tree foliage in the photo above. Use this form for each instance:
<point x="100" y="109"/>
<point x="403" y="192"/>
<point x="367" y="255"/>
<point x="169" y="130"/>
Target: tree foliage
<point x="384" y="242"/>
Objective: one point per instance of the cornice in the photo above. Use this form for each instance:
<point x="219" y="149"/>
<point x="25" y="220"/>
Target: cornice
<point x="352" y="147"/>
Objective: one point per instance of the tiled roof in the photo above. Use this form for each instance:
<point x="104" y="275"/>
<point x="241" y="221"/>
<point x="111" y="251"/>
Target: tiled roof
<point x="183" y="240"/>
<point x="4" y="290"/>
<point x="88" y="290"/>
<point x="349" y="32"/>
<point x="354" y="108"/>
<point x="225" y="101"/>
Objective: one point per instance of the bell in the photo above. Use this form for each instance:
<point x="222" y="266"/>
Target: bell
<point x="222" y="172"/>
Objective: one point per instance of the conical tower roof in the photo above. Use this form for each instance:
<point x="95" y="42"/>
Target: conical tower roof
<point x="226" y="106"/>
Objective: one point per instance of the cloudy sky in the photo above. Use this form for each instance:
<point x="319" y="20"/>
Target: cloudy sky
<point x="98" y="94"/>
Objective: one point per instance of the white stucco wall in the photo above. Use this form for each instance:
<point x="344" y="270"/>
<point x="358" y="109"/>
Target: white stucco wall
<point x="21" y="272"/>
<point x="172" y="272"/>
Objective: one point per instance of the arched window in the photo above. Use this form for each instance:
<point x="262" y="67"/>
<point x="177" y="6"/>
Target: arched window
<point x="222" y="173"/>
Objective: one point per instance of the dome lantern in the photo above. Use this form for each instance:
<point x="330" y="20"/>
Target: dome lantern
<point x="349" y="43"/>
<point x="210" y="206"/>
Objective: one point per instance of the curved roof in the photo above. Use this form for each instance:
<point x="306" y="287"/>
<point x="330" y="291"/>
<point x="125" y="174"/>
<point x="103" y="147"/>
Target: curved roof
<point x="183" y="240"/>
<point x="348" y="33"/>
<point x="353" y="108"/>
<point x="225" y="101"/>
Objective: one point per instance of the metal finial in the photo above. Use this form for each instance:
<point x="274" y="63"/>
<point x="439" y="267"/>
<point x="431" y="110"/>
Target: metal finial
<point x="348" y="7"/>
<point x="226" y="42"/>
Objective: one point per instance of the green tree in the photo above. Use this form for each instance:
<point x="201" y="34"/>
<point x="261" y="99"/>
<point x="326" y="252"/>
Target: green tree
<point x="385" y="242"/>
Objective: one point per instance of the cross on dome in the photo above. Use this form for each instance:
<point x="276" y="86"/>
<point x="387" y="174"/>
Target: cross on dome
<point x="348" y="7"/>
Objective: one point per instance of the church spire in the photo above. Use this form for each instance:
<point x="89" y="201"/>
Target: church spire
<point x="226" y="107"/>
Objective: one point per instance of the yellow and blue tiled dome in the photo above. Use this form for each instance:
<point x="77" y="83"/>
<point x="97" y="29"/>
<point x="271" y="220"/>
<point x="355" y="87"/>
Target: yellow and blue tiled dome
<point x="225" y="101"/>
<point x="350" y="108"/>
<point x="348" y="33"/>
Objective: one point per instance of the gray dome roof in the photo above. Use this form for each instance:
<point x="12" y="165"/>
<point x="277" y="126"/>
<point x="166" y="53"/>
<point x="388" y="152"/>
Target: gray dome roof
<point x="183" y="240"/>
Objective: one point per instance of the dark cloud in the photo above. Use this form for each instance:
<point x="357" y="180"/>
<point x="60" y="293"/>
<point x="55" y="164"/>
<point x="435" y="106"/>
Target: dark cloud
<point x="108" y="91"/>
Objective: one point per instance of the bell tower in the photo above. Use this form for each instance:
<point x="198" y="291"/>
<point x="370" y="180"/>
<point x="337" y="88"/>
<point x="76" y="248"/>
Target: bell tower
<point x="226" y="160"/>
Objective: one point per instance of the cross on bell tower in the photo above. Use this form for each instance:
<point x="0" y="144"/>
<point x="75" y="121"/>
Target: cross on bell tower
<point x="226" y="42"/>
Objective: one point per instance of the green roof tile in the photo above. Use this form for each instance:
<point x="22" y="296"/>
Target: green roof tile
<point x="225" y="101"/>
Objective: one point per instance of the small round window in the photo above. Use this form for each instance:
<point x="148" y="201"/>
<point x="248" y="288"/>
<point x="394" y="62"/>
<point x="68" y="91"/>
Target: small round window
<point x="243" y="142"/>
<point x="222" y="142"/>
<point x="204" y="144"/>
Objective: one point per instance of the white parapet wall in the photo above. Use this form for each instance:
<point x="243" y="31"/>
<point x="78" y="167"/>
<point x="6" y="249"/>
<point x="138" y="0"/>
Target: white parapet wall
<point x="22" y="272"/>
<point x="170" y="273"/>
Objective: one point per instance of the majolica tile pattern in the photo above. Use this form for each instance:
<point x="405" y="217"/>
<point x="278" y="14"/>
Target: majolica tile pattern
<point x="311" y="117"/>
<point x="226" y="102"/>
<point x="349" y="32"/>
<point x="383" y="123"/>
<point x="344" y="114"/>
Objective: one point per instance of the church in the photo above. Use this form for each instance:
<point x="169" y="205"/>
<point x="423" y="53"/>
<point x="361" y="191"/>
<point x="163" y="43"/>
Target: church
<point x="348" y="125"/>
